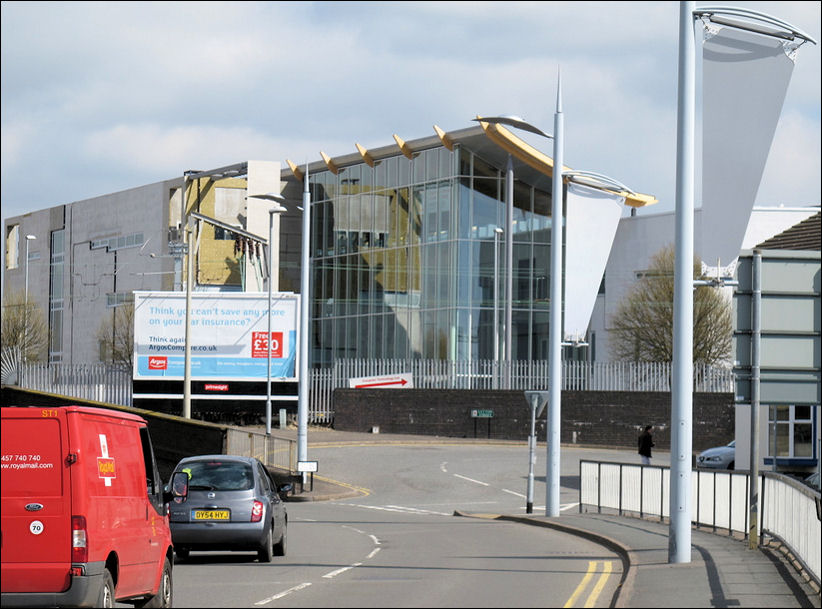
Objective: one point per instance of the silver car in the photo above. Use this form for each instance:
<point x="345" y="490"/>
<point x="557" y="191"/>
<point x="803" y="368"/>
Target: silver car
<point x="233" y="504"/>
<point x="721" y="457"/>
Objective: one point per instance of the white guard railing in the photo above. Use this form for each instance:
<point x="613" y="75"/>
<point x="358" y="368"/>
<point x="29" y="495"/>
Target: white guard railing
<point x="789" y="510"/>
<point x="110" y="384"/>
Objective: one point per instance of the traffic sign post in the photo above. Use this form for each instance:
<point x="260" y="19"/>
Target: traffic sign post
<point x="482" y="413"/>
<point x="536" y="402"/>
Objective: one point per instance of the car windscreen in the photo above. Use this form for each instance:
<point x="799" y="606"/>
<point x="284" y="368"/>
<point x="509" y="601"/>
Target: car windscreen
<point x="218" y="475"/>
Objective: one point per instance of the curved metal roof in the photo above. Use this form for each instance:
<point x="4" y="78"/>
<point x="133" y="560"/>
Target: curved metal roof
<point x="494" y="143"/>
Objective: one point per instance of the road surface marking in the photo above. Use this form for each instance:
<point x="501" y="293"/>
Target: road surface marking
<point x="472" y="480"/>
<point x="600" y="584"/>
<point x="341" y="570"/>
<point x="282" y="594"/>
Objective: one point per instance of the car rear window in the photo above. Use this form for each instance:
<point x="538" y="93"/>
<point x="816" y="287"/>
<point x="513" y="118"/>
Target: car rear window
<point x="219" y="475"/>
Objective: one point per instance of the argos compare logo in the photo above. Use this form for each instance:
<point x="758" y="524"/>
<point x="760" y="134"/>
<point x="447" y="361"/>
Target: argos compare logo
<point x="157" y="363"/>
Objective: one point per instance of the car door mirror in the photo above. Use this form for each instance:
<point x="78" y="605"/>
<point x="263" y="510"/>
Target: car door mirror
<point x="178" y="488"/>
<point x="283" y="490"/>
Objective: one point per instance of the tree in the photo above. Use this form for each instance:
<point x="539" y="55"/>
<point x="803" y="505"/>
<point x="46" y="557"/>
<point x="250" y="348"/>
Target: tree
<point x="24" y="328"/>
<point x="115" y="335"/>
<point x="643" y="325"/>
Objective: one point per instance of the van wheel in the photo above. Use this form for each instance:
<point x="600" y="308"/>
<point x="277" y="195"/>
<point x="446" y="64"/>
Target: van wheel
<point x="106" y="598"/>
<point x="164" y="596"/>
<point x="182" y="553"/>
<point x="266" y="551"/>
<point x="279" y="547"/>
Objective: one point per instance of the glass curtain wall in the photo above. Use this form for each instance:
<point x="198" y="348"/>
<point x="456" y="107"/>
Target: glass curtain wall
<point x="403" y="260"/>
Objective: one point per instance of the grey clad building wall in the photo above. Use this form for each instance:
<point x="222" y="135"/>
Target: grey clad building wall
<point x="88" y="258"/>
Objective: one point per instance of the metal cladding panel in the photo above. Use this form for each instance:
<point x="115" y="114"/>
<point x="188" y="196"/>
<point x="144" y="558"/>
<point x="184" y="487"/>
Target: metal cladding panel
<point x="790" y="336"/>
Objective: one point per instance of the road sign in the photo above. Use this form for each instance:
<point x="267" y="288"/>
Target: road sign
<point x="482" y="414"/>
<point x="537" y="400"/>
<point x="307" y="466"/>
<point x="391" y="381"/>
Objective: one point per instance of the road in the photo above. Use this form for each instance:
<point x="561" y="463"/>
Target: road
<point x="400" y="544"/>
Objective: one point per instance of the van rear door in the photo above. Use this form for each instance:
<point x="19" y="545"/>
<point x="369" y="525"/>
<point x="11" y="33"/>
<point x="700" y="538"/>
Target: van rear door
<point x="36" y="504"/>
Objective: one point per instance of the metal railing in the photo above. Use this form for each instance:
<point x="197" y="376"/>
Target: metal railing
<point x="788" y="511"/>
<point x="97" y="382"/>
<point x="105" y="383"/>
<point x="280" y="453"/>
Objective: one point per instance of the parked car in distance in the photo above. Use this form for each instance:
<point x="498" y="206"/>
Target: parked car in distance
<point x="233" y="504"/>
<point x="721" y="457"/>
<point x="813" y="481"/>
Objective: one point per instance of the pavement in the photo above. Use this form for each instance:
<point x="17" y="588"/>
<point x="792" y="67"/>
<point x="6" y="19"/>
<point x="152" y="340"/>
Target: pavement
<point x="723" y="571"/>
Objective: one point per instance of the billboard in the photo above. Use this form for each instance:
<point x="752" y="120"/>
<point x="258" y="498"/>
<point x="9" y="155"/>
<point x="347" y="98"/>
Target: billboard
<point x="228" y="336"/>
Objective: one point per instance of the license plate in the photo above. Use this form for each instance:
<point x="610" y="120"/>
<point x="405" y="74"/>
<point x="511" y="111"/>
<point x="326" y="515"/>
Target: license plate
<point x="211" y="514"/>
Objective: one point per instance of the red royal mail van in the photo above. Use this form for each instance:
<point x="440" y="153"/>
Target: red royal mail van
<point x="84" y="521"/>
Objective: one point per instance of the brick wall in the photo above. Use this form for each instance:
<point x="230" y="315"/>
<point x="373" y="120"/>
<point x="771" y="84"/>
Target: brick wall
<point x="594" y="418"/>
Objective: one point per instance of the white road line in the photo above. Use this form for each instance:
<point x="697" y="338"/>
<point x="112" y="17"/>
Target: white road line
<point x="505" y="490"/>
<point x="342" y="570"/>
<point x="472" y="480"/>
<point x="443" y="469"/>
<point x="416" y="510"/>
<point x="282" y="594"/>
<point x="373" y="553"/>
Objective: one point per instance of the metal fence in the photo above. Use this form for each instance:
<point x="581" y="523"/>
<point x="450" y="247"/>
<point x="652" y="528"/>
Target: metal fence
<point x="110" y="384"/>
<point x="98" y="382"/>
<point x="789" y="510"/>
<point x="280" y="453"/>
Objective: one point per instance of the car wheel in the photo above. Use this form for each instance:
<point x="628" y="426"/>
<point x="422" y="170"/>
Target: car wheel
<point x="106" y="598"/>
<point x="164" y="597"/>
<point x="182" y="553"/>
<point x="280" y="546"/>
<point x="731" y="465"/>
<point x="266" y="551"/>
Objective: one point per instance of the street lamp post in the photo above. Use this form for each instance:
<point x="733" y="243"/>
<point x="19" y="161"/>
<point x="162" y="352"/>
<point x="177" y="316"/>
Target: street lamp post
<point x="509" y="268"/>
<point x="305" y="290"/>
<point x="274" y="210"/>
<point x="555" y="328"/>
<point x="305" y="324"/>
<point x="497" y="233"/>
<point x="679" y="538"/>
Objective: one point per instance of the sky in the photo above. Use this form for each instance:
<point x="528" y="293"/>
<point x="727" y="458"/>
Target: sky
<point x="100" y="97"/>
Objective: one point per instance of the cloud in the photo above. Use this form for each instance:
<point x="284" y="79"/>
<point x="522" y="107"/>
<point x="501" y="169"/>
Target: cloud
<point x="103" y="96"/>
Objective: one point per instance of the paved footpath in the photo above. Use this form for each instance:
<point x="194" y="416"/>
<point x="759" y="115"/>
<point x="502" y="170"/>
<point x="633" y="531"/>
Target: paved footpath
<point x="723" y="571"/>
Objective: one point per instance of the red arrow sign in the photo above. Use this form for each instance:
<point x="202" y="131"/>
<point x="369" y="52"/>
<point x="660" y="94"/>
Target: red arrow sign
<point x="400" y="382"/>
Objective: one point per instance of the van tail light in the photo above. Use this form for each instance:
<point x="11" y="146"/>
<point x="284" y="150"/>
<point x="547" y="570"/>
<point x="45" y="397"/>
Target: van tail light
<point x="79" y="539"/>
<point x="257" y="511"/>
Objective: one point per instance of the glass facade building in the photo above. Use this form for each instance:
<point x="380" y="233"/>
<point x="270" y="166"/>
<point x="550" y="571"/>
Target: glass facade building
<point x="404" y="257"/>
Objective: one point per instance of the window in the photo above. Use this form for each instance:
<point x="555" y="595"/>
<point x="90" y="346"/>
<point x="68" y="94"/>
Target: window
<point x="12" y="246"/>
<point x="222" y="234"/>
<point x="56" y="301"/>
<point x="119" y="243"/>
<point x="154" y="485"/>
<point x="790" y="430"/>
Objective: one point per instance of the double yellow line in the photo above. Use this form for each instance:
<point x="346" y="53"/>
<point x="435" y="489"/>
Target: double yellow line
<point x="598" y="586"/>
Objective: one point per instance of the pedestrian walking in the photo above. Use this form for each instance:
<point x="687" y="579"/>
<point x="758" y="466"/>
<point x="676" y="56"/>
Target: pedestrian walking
<point x="645" y="442"/>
